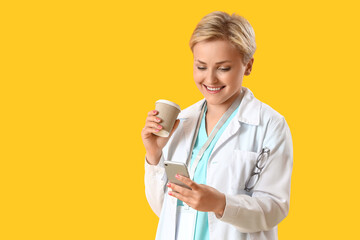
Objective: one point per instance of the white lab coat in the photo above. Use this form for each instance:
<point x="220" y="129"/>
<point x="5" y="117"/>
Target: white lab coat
<point x="247" y="216"/>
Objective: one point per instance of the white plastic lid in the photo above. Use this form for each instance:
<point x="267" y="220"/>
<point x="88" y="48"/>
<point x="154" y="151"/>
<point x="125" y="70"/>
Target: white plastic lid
<point x="169" y="102"/>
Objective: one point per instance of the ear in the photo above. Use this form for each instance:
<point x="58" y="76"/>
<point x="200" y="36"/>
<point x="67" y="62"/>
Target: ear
<point x="249" y="67"/>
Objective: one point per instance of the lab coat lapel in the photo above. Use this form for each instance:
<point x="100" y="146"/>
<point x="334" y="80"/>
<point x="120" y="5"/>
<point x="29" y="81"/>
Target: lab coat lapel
<point x="231" y="130"/>
<point x="190" y="118"/>
<point x="248" y="113"/>
<point x="189" y="132"/>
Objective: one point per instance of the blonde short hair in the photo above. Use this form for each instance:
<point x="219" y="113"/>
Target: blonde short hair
<point x="220" y="25"/>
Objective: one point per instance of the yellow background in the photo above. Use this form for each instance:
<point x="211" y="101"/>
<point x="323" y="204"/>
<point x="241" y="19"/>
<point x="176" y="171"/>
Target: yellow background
<point x="77" y="81"/>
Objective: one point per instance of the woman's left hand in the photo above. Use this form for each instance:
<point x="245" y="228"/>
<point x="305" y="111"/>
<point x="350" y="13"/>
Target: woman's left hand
<point x="202" y="197"/>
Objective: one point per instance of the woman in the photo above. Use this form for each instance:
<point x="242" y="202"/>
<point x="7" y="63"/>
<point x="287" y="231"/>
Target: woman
<point x="240" y="188"/>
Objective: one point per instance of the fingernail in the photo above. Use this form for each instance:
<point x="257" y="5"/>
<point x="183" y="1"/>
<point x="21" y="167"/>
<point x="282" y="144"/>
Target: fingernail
<point x="159" y="127"/>
<point x="154" y="111"/>
<point x="158" y="119"/>
<point x="170" y="193"/>
<point x="177" y="175"/>
<point x="169" y="185"/>
<point x="156" y="130"/>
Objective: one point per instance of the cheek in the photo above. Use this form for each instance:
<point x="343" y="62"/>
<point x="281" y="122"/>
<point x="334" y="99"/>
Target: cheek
<point x="233" y="79"/>
<point x="197" y="76"/>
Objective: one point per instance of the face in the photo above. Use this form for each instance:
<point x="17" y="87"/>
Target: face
<point x="219" y="71"/>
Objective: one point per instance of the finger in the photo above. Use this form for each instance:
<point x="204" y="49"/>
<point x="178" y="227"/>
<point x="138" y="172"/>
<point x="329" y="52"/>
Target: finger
<point x="180" y="189"/>
<point x="153" y="113"/>
<point x="178" y="196"/>
<point x="147" y="131"/>
<point x="153" y="119"/>
<point x="153" y="125"/>
<point x="193" y="185"/>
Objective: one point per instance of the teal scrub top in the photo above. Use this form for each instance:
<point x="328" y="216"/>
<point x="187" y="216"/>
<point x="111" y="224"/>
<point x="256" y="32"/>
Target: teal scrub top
<point x="201" y="224"/>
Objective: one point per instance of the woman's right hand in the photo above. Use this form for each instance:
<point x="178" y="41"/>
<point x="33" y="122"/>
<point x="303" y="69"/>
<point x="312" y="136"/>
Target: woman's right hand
<point x="153" y="143"/>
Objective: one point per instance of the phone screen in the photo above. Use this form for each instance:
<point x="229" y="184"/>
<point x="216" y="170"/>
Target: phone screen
<point x="172" y="168"/>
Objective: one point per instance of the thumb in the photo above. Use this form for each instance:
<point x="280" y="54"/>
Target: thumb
<point x="175" y="127"/>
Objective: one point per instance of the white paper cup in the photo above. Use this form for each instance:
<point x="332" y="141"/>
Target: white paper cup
<point x="168" y="112"/>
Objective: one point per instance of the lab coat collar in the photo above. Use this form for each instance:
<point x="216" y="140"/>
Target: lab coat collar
<point x="249" y="110"/>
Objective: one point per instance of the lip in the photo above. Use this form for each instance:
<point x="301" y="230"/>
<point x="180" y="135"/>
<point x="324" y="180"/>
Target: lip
<point x="213" y="92"/>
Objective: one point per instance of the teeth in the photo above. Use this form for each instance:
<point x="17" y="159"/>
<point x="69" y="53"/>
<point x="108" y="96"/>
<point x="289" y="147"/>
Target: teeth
<point x="213" y="89"/>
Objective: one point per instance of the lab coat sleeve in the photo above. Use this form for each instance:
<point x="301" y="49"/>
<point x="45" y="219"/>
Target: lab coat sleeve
<point x="269" y="203"/>
<point x="155" y="180"/>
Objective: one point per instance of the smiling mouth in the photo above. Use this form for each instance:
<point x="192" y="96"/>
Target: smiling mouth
<point x="213" y="89"/>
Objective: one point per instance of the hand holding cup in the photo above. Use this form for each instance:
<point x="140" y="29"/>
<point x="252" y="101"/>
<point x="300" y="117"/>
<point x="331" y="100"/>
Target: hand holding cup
<point x="159" y="126"/>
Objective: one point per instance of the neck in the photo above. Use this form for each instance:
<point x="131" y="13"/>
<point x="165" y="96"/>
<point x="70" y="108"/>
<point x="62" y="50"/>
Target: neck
<point x="217" y="110"/>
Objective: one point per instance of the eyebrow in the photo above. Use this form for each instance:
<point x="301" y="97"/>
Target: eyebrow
<point x="216" y="63"/>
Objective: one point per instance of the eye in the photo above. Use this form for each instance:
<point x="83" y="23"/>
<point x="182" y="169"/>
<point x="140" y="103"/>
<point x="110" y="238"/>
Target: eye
<point x="224" y="69"/>
<point x="201" y="68"/>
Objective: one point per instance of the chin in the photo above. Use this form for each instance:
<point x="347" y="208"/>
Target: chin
<point x="219" y="99"/>
<point x="215" y="100"/>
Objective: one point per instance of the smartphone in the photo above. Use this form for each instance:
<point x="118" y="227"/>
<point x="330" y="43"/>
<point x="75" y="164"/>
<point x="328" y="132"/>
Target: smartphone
<point x="173" y="168"/>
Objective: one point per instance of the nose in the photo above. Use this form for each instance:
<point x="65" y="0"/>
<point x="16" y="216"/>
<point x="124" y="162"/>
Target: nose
<point x="211" y="77"/>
